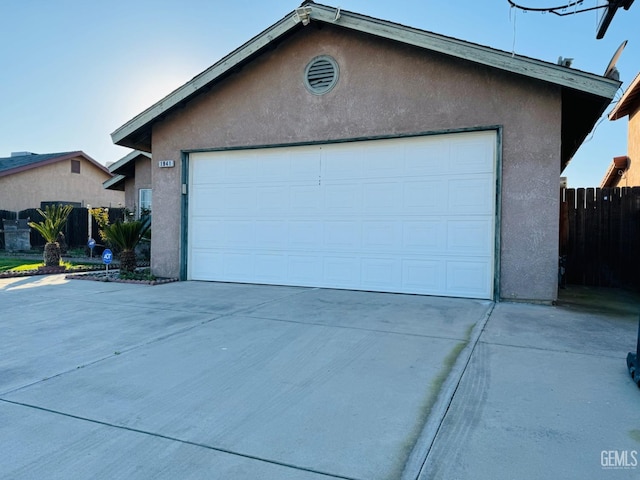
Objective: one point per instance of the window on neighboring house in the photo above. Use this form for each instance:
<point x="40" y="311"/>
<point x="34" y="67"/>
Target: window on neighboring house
<point x="144" y="202"/>
<point x="75" y="166"/>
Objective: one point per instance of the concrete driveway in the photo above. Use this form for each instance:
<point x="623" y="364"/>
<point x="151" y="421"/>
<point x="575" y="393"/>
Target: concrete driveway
<point x="212" y="380"/>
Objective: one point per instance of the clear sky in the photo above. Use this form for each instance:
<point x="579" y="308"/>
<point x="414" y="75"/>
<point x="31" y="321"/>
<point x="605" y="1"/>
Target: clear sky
<point x="73" y="71"/>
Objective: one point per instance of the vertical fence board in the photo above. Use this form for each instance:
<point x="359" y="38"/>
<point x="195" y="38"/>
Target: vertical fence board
<point x="603" y="235"/>
<point x="75" y="230"/>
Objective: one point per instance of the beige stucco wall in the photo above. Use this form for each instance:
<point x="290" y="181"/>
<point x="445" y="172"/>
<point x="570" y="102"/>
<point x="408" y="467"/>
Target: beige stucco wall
<point x="384" y="88"/>
<point x="55" y="182"/>
<point x="132" y="185"/>
<point x="632" y="176"/>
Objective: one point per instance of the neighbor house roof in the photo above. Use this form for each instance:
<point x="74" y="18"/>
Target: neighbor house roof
<point x="629" y="102"/>
<point x="26" y="161"/>
<point x="618" y="166"/>
<point x="123" y="168"/>
<point x="585" y="95"/>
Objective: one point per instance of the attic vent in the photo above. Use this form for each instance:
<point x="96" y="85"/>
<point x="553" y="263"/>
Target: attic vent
<point x="321" y="75"/>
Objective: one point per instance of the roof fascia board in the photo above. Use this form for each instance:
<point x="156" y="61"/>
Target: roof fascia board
<point x="576" y="79"/>
<point x="622" y="107"/>
<point x="112" y="182"/>
<point x="219" y="68"/>
<point x="126" y="159"/>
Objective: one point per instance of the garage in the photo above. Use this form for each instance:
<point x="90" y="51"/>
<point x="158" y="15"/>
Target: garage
<point x="403" y="215"/>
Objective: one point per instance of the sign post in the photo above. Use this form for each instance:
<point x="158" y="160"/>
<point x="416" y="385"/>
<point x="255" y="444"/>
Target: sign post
<point x="91" y="244"/>
<point x="107" y="257"/>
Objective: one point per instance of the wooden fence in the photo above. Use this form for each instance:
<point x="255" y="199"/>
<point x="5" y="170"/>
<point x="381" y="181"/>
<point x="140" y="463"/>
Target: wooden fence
<point x="75" y="230"/>
<point x="600" y="236"/>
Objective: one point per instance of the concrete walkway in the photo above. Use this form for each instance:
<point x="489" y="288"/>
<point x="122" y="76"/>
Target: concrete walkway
<point x="212" y="380"/>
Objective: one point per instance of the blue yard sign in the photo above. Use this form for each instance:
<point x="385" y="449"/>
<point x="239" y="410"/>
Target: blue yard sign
<point x="107" y="256"/>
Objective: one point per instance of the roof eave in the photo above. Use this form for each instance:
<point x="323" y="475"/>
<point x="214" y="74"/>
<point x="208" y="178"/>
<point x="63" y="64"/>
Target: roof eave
<point x="549" y="72"/>
<point x="114" y="183"/>
<point x="123" y="163"/>
<point x="137" y="132"/>
<point x="124" y="135"/>
<point x="629" y="98"/>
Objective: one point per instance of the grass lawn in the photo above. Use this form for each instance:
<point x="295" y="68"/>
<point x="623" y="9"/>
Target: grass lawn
<point x="20" y="265"/>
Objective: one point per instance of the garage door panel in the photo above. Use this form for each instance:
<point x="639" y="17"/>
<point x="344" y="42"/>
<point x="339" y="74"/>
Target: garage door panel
<point x="382" y="198"/>
<point x="272" y="199"/>
<point x="467" y="277"/>
<point x="425" y="196"/>
<point x="343" y="164"/>
<point x="233" y="202"/>
<point x="380" y="273"/>
<point x="470" y="237"/>
<point x="238" y="234"/>
<point x="428" y="160"/>
<point x="341" y="199"/>
<point x="342" y="235"/>
<point x="471" y="195"/>
<point x="391" y="215"/>
<point x="380" y="235"/>
<point x="304" y="166"/>
<point x="384" y="162"/>
<point x="424" y="276"/>
<point x="473" y="155"/>
<point x="206" y="264"/>
<point x="270" y="267"/>
<point x="424" y="236"/>
<point x="238" y="265"/>
<point x="305" y="199"/>
<point x="206" y="233"/>
<point x="241" y="169"/>
<point x="341" y="272"/>
<point x="304" y="270"/>
<point x="270" y="234"/>
<point x="304" y="234"/>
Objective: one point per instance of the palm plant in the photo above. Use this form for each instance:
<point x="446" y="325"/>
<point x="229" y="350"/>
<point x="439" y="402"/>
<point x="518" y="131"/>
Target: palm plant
<point x="126" y="236"/>
<point x="54" y="218"/>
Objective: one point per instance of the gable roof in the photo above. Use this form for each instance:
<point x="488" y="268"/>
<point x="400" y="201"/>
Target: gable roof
<point x="126" y="165"/>
<point x="590" y="94"/>
<point x="123" y="168"/>
<point x="629" y="102"/>
<point x="28" y="161"/>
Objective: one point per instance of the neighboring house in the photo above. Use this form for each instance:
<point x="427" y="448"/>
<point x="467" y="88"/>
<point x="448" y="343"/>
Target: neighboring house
<point x="624" y="171"/>
<point x="343" y="151"/>
<point x="30" y="180"/>
<point x="133" y="176"/>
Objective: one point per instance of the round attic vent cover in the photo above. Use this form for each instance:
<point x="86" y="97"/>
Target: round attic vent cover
<point x="321" y="75"/>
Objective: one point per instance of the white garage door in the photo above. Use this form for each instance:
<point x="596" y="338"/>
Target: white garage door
<point x="410" y="215"/>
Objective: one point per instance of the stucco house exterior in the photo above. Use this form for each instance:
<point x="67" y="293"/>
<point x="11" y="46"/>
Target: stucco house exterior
<point x="132" y="175"/>
<point x="29" y="180"/>
<point x="338" y="150"/>
<point x="624" y="171"/>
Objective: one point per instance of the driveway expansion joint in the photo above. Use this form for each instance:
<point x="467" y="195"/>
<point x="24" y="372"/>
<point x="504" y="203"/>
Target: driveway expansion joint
<point x="419" y="456"/>
<point x="179" y="440"/>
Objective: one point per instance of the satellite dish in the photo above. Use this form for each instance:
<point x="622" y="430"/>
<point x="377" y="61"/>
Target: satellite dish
<point x="612" y="71"/>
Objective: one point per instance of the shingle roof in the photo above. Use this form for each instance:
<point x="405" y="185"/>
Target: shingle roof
<point x="19" y="163"/>
<point x="9" y="163"/>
